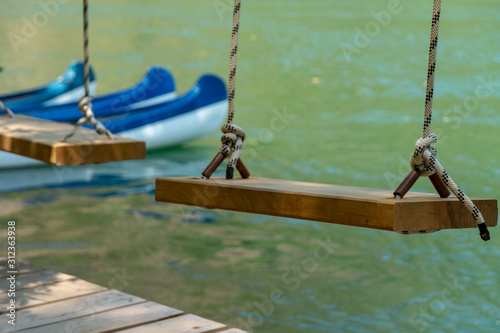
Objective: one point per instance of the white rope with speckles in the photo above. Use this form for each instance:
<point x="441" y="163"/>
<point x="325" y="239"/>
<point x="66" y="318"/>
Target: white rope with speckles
<point x="234" y="136"/>
<point x="6" y="109"/>
<point x="424" y="157"/>
<point x="85" y="104"/>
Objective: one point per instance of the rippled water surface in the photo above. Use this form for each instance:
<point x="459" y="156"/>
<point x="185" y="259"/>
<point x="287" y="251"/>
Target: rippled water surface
<point x="348" y="78"/>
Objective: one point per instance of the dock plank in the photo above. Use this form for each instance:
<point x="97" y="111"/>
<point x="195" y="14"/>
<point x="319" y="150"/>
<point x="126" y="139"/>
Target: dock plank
<point x="35" y="279"/>
<point x="51" y="293"/>
<point x="73" y="308"/>
<point x="182" y="324"/>
<point x="21" y="268"/>
<point x="112" y="320"/>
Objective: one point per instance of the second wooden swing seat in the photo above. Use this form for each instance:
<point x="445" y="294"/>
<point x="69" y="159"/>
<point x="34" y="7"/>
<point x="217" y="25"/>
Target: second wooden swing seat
<point x="42" y="140"/>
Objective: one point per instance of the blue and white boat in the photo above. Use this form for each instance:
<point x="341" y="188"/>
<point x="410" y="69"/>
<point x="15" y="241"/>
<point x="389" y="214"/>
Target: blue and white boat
<point x="197" y="113"/>
<point x="66" y="88"/>
<point x="156" y="87"/>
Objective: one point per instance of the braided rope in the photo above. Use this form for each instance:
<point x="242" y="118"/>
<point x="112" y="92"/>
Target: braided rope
<point x="85" y="107"/>
<point x="86" y="76"/>
<point x="233" y="137"/>
<point x="85" y="104"/>
<point x="232" y="63"/>
<point x="424" y="156"/>
<point x="6" y="109"/>
<point x="431" y="69"/>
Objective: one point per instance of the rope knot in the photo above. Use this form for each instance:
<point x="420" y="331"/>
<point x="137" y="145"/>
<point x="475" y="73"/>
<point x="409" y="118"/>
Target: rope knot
<point x="232" y="142"/>
<point x="423" y="153"/>
<point x="85" y="106"/>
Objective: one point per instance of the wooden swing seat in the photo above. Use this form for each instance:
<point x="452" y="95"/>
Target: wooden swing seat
<point x="41" y="140"/>
<point x="354" y="206"/>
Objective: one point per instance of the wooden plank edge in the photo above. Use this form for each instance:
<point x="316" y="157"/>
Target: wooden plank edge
<point x="167" y="317"/>
<point x="98" y="153"/>
<point x="454" y="215"/>
<point x="159" y="326"/>
<point x="21" y="268"/>
<point x="19" y="278"/>
<point x="70" y="322"/>
<point x="22" y="307"/>
<point x="100" y="296"/>
<point x="78" y="154"/>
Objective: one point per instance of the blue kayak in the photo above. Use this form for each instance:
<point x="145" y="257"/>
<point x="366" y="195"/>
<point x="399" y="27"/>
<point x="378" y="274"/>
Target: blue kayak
<point x="156" y="87"/>
<point x="66" y="88"/>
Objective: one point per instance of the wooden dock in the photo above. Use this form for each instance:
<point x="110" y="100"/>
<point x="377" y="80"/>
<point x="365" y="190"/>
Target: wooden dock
<point x="49" y="302"/>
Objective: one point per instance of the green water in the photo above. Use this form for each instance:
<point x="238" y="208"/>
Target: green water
<point x="352" y="120"/>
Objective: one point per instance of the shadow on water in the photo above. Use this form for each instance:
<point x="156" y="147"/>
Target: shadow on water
<point x="192" y="216"/>
<point x="177" y="161"/>
<point x="54" y="245"/>
<point x="120" y="179"/>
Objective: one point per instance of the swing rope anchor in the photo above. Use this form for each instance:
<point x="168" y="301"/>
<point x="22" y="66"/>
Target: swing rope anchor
<point x="233" y="136"/>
